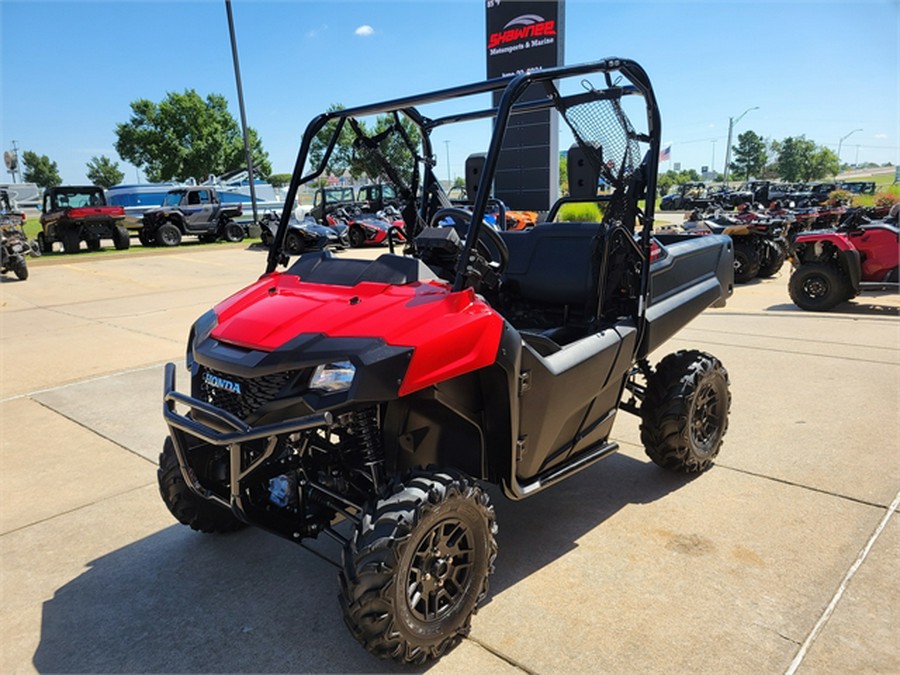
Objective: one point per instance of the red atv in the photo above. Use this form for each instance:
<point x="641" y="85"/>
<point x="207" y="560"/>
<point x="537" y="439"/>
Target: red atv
<point x="831" y="266"/>
<point x="383" y="393"/>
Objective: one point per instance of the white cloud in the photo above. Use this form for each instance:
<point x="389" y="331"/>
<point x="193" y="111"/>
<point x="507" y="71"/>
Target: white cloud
<point x="881" y="136"/>
<point x="364" y="30"/>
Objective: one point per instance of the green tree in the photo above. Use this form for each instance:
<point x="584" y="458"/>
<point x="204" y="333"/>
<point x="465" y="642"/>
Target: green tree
<point x="563" y="176"/>
<point x="186" y="136"/>
<point x="750" y="155"/>
<point x="393" y="148"/>
<point x="795" y="158"/>
<point x="104" y="172"/>
<point x="279" y="180"/>
<point x="459" y="182"/>
<point x="824" y="163"/>
<point x="342" y="153"/>
<point x="39" y="169"/>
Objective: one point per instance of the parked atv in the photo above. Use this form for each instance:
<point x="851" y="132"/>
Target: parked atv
<point x="14" y="244"/>
<point x="759" y="246"/>
<point x="71" y="214"/>
<point x="196" y="210"/>
<point x="385" y="392"/>
<point x="831" y="266"/>
<point x="304" y="235"/>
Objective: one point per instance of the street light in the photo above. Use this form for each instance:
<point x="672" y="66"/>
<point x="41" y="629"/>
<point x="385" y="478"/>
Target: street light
<point x="841" y="142"/>
<point x="731" y="122"/>
<point x="447" y="146"/>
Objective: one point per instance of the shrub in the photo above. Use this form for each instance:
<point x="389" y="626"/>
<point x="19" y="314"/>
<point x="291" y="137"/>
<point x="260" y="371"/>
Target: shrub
<point x="580" y="212"/>
<point x="838" y="197"/>
<point x="887" y="197"/>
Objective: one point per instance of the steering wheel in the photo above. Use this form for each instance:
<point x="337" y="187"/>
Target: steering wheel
<point x="488" y="232"/>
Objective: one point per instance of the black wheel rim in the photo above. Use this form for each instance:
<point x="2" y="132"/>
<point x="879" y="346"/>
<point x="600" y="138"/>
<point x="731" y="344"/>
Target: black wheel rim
<point x="739" y="264"/>
<point x="706" y="418"/>
<point x="815" y="287"/>
<point x="440" y="571"/>
<point x="292" y="244"/>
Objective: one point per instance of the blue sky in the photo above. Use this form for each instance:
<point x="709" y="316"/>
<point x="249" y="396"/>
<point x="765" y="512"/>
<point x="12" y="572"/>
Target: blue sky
<point x="71" y="69"/>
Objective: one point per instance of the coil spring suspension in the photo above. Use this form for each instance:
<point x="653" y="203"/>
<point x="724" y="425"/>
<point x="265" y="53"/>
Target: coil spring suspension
<point x="365" y="438"/>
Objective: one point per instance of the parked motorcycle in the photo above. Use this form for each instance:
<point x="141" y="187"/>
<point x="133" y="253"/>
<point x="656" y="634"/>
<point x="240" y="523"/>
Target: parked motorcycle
<point x="14" y="247"/>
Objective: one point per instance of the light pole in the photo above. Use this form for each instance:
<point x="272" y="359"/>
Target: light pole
<point x="841" y="142"/>
<point x="447" y="146"/>
<point x="240" y="93"/>
<point x="712" y="163"/>
<point x="731" y="122"/>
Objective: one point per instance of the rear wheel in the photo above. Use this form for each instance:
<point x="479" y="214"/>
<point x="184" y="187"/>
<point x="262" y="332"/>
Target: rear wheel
<point x="93" y="244"/>
<point x="746" y="261"/>
<point x="772" y="260"/>
<point x="233" y="232"/>
<point x="145" y="237"/>
<point x="188" y="507"/>
<point x="21" y="270"/>
<point x="684" y="415"/>
<point x="417" y="566"/>
<point x="817" y="287"/>
<point x="44" y="244"/>
<point x="121" y="238"/>
<point x="168" y="235"/>
<point x="294" y="244"/>
<point x="71" y="240"/>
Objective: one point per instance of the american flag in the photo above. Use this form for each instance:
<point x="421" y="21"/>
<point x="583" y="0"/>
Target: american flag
<point x="665" y="154"/>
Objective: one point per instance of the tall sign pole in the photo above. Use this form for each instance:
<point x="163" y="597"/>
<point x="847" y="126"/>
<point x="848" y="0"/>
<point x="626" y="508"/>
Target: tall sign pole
<point x="240" y="93"/>
<point x="522" y="36"/>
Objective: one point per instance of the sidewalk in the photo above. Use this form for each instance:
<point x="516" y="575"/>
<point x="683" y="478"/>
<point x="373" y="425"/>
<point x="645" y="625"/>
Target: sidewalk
<point x="623" y="568"/>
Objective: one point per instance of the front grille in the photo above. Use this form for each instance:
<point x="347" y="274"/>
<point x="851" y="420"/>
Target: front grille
<point x="241" y="396"/>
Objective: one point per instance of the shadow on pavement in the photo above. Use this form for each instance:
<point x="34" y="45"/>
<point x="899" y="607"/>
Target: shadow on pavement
<point x="179" y="601"/>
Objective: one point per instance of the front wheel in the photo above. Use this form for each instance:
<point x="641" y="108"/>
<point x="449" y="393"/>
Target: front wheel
<point x="145" y="237"/>
<point x="168" y="235"/>
<point x="817" y="287"/>
<point x="746" y="261"/>
<point x="293" y="243"/>
<point x="418" y="565"/>
<point x="357" y="236"/>
<point x="44" y="244"/>
<point x="188" y="507"/>
<point x="684" y="415"/>
<point x="21" y="270"/>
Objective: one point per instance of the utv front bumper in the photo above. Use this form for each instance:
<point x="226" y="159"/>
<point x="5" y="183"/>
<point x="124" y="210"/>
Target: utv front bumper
<point x="220" y="428"/>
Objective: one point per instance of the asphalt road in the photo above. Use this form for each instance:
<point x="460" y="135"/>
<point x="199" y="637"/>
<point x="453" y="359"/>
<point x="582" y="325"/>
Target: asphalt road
<point x="783" y="556"/>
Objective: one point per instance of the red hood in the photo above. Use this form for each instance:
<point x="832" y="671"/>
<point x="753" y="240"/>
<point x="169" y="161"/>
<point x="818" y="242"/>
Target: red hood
<point x="451" y="333"/>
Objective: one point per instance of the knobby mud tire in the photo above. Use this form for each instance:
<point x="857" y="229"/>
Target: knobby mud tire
<point x="684" y="415"/>
<point x="188" y="507"/>
<point x="121" y="238"/>
<point x="432" y="521"/>
<point x="746" y="261"/>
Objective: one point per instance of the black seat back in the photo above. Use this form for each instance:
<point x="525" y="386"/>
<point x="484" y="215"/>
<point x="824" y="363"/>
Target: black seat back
<point x="555" y="263"/>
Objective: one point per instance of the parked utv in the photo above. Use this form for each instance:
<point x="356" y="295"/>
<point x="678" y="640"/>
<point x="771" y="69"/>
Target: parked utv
<point x="831" y="266"/>
<point x="196" y="210"/>
<point x="384" y="393"/>
<point x="71" y="214"/>
<point x="326" y="200"/>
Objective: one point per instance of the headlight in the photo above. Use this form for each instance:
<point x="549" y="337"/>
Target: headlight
<point x="333" y="377"/>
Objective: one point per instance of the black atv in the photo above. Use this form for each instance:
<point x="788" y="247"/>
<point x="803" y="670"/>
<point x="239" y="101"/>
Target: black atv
<point x="196" y="210"/>
<point x="384" y="393"/>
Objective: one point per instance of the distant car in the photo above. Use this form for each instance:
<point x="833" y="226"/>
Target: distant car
<point x="71" y="214"/>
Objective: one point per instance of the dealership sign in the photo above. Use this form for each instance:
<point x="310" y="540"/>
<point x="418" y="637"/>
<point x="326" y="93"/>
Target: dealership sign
<point x="523" y="36"/>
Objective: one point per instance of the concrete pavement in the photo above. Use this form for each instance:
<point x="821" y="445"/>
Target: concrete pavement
<point x="784" y="553"/>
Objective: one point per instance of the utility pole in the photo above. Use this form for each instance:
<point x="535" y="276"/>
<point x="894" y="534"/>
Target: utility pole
<point x="240" y="93"/>
<point x="731" y="123"/>
<point x="449" y="181"/>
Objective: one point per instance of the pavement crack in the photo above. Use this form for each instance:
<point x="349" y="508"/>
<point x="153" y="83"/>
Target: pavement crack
<point x="503" y="657"/>
<point x="91" y="430"/>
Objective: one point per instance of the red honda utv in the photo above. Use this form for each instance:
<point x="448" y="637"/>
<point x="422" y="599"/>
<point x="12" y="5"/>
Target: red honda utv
<point x="370" y="400"/>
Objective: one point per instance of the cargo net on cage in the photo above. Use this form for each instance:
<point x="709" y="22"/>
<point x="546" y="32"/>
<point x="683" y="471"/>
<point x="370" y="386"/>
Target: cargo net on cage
<point x="609" y="141"/>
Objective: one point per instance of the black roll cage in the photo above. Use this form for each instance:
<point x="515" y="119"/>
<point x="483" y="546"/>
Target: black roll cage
<point x="512" y="88"/>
